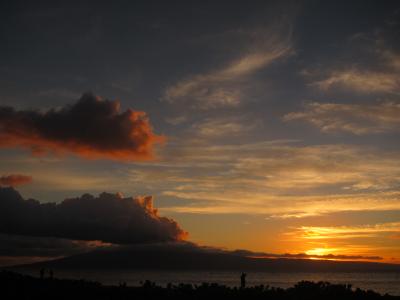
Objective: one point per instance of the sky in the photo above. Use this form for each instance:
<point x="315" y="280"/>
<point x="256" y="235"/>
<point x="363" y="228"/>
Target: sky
<point x="270" y="126"/>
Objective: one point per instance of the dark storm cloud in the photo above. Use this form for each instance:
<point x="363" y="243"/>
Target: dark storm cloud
<point x="108" y="218"/>
<point x="92" y="128"/>
<point x="15" y="179"/>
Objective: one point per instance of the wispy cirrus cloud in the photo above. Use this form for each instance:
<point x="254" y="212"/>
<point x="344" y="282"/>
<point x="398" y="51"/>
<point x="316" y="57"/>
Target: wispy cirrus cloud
<point x="224" y="127"/>
<point x="278" y="180"/>
<point x="358" y="119"/>
<point x="362" y="81"/>
<point x="234" y="202"/>
<point x="225" y="86"/>
<point x="347" y="232"/>
<point x="375" y="72"/>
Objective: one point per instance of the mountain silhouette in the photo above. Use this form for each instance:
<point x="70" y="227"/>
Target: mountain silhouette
<point x="167" y="257"/>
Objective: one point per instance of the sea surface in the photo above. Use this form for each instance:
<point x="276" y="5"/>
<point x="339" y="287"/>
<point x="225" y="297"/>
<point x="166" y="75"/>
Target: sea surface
<point x="379" y="282"/>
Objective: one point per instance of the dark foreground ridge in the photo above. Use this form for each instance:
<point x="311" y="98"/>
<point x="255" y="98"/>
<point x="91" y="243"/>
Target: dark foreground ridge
<point x="16" y="286"/>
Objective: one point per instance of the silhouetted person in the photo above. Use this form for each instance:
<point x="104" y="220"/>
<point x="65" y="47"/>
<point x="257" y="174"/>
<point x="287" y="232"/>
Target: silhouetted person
<point x="243" y="280"/>
<point x="42" y="273"/>
<point x="51" y="274"/>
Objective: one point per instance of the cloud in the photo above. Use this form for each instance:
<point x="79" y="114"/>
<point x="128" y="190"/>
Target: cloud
<point x="289" y="206"/>
<point x="225" y="87"/>
<point x="15" y="179"/>
<point x="377" y="70"/>
<point x="361" y="81"/>
<point x="276" y="178"/>
<point x="358" y="119"/>
<point x="91" y="128"/>
<point x="347" y="239"/>
<point x="20" y="249"/>
<point x="286" y="180"/>
<point x="224" y="127"/>
<point x="19" y="245"/>
<point x="392" y="58"/>
<point x="347" y="232"/>
<point x="305" y="255"/>
<point x="176" y="120"/>
<point x="108" y="218"/>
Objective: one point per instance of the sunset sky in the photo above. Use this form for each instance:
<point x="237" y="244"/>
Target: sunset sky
<point x="270" y="126"/>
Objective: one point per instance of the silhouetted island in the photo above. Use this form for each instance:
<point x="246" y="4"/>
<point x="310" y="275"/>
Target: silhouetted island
<point x="16" y="286"/>
<point x="188" y="257"/>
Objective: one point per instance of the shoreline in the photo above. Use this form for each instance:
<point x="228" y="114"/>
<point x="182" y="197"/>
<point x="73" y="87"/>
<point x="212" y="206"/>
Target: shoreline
<point x="19" y="286"/>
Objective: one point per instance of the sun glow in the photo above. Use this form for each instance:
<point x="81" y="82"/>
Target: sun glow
<point x="321" y="251"/>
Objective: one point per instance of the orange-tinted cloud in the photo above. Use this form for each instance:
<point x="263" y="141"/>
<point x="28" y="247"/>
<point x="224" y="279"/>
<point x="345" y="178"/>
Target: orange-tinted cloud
<point x="92" y="128"/>
<point x="15" y="179"/>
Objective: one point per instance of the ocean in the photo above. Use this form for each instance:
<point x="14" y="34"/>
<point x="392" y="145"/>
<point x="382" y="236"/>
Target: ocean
<point x="379" y="282"/>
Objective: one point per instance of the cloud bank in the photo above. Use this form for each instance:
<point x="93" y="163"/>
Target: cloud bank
<point x="92" y="128"/>
<point x="15" y="179"/>
<point x="108" y="218"/>
<point x="305" y="255"/>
